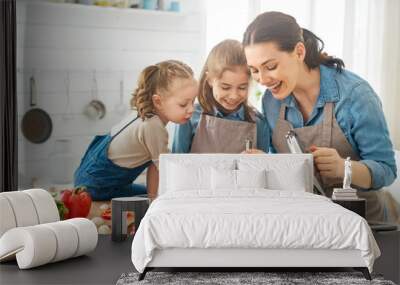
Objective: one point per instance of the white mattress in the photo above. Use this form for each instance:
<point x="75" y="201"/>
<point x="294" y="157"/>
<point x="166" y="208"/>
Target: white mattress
<point x="252" y="219"/>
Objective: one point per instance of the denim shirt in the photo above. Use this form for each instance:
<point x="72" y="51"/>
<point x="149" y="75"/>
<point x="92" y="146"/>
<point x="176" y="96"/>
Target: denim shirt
<point x="359" y="113"/>
<point x="184" y="133"/>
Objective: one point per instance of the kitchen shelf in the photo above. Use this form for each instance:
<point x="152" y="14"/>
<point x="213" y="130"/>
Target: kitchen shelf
<point x="109" y="9"/>
<point x="89" y="16"/>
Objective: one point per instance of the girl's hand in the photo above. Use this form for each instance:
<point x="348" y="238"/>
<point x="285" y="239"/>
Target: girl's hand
<point x="253" y="151"/>
<point x="328" y="161"/>
<point x="151" y="199"/>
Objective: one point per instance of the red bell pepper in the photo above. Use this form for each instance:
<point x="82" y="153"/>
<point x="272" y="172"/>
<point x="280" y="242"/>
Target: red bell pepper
<point x="78" y="202"/>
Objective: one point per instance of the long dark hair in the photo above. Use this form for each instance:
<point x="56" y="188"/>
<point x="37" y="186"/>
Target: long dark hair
<point x="283" y="30"/>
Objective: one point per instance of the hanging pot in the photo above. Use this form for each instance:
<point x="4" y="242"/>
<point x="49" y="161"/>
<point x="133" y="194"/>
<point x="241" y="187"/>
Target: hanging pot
<point x="36" y="123"/>
<point x="95" y="109"/>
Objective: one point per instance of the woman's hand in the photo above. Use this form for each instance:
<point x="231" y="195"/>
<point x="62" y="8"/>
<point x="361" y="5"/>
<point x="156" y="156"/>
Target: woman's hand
<point x="253" y="151"/>
<point x="328" y="161"/>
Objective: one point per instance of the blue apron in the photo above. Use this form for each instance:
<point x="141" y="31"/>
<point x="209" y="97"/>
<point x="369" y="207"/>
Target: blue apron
<point x="103" y="178"/>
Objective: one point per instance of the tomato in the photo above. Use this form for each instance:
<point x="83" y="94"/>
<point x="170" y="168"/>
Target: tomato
<point x="106" y="214"/>
<point x="78" y="202"/>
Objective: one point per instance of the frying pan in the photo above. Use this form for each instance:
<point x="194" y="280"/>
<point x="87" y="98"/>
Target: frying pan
<point x="36" y="123"/>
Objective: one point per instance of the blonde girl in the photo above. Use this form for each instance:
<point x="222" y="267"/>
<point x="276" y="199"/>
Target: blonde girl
<point x="223" y="121"/>
<point x="165" y="92"/>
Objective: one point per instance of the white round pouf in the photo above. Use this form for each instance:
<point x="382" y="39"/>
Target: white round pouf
<point x="87" y="235"/>
<point x="33" y="246"/>
<point x="23" y="208"/>
<point x="67" y="240"/>
<point x="45" y="205"/>
<point x="6" y="215"/>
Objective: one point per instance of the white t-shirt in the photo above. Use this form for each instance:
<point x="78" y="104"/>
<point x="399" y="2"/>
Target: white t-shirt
<point x="139" y="142"/>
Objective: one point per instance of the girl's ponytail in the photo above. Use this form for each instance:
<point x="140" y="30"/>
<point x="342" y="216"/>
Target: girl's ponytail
<point x="142" y="96"/>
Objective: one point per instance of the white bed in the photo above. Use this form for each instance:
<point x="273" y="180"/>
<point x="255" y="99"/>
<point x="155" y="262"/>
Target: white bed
<point x="219" y="211"/>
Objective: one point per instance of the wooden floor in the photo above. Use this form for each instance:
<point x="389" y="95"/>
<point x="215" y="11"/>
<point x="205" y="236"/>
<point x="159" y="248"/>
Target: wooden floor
<point x="110" y="259"/>
<point x="102" y="266"/>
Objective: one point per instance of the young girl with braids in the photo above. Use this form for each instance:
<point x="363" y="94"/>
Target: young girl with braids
<point x="165" y="92"/>
<point x="223" y="121"/>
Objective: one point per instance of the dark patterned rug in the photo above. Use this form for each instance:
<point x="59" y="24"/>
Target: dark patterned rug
<point x="230" y="278"/>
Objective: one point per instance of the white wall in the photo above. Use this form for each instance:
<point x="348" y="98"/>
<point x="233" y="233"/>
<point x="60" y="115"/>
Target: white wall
<point x="54" y="39"/>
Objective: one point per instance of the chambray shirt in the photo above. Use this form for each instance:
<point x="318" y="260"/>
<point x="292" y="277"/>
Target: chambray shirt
<point x="184" y="133"/>
<point x="359" y="114"/>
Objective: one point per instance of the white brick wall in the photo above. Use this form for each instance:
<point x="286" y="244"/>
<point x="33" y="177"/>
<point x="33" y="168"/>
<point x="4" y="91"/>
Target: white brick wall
<point x="54" y="39"/>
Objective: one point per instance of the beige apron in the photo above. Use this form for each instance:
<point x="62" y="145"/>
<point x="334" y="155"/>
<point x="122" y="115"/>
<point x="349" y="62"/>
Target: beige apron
<point x="217" y="135"/>
<point x="326" y="134"/>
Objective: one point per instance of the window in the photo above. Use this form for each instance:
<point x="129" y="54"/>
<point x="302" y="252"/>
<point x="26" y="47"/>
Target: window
<point x="228" y="19"/>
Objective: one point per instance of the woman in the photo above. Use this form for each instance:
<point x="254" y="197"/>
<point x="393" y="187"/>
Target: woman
<point x="334" y="113"/>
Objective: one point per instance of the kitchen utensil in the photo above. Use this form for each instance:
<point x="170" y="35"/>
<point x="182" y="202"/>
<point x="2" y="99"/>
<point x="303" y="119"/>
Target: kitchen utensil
<point x="67" y="112"/>
<point x="36" y="123"/>
<point x="95" y="109"/>
<point x="294" y="147"/>
<point x="120" y="108"/>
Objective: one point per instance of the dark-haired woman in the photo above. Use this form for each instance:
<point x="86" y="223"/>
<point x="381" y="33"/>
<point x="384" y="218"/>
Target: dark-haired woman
<point x="334" y="113"/>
